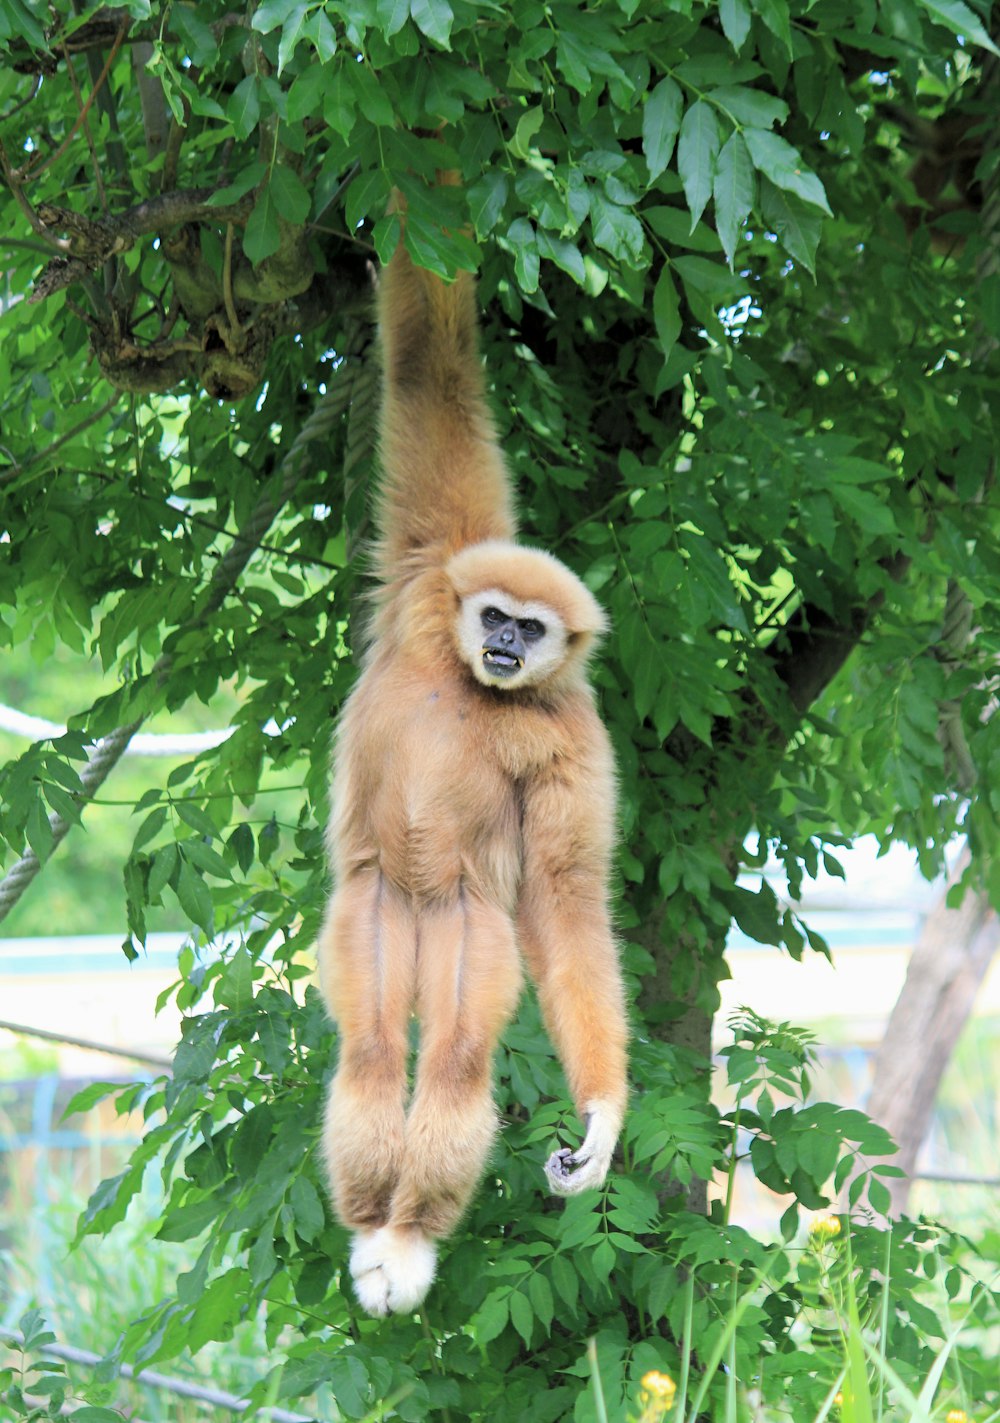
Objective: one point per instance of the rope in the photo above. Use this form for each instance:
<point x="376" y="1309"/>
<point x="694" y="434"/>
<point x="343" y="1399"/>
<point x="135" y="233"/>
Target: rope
<point x="110" y="749"/>
<point x="360" y="450"/>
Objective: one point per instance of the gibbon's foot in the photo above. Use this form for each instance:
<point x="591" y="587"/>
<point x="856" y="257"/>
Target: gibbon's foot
<point x="569" y="1171"/>
<point x="392" y="1268"/>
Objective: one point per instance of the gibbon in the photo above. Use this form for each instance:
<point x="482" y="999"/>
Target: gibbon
<point x="473" y="811"/>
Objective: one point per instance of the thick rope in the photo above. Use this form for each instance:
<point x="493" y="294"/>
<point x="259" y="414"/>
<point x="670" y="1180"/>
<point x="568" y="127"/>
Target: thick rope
<point x="359" y="451"/>
<point x="110" y="749"/>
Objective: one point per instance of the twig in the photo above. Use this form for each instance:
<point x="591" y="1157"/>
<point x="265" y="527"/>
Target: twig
<point x="227" y="284"/>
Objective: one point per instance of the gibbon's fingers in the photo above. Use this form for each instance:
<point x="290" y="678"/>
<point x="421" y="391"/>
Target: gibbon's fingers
<point x="569" y="1172"/>
<point x="392" y="1269"/>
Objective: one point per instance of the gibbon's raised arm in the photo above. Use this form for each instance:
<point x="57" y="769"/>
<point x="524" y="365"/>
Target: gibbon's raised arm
<point x="444" y="483"/>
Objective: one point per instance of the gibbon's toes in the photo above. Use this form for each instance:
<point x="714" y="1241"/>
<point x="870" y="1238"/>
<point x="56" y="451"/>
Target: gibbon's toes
<point x="392" y="1269"/>
<point x="371" y="1284"/>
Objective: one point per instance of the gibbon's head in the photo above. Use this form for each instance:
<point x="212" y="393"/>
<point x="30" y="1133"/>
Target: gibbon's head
<point x="524" y="620"/>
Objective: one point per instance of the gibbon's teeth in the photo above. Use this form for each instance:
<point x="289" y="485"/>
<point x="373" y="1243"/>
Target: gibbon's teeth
<point x="501" y="659"/>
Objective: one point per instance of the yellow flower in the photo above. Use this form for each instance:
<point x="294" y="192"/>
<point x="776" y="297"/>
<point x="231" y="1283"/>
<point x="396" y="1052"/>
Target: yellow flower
<point x="957" y="1415"/>
<point x="838" y="1399"/>
<point x="824" y="1228"/>
<point x="656" y="1396"/>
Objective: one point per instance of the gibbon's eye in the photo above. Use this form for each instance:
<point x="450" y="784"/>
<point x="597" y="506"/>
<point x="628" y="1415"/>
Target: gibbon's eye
<point x="531" y="628"/>
<point x="493" y="617"/>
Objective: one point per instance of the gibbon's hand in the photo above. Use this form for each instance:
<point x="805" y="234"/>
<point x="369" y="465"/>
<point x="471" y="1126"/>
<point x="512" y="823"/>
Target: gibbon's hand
<point x="568" y="1171"/>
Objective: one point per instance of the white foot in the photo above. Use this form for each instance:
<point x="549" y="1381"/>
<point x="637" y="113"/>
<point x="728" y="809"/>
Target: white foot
<point x="392" y="1269"/>
<point x="569" y="1172"/>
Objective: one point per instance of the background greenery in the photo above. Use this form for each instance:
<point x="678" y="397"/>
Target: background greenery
<point x="738" y="264"/>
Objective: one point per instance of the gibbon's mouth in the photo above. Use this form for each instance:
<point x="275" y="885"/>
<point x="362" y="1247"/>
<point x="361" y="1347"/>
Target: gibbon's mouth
<point x="501" y="664"/>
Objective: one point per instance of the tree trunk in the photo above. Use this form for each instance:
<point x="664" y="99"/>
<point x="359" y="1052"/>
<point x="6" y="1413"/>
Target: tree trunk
<point x="948" y="964"/>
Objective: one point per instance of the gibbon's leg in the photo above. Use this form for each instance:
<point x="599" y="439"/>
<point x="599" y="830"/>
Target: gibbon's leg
<point x="468" y="983"/>
<point x="565" y="934"/>
<point x="367" y="956"/>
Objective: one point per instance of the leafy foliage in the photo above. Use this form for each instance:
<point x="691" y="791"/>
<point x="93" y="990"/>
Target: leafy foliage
<point x="743" y="353"/>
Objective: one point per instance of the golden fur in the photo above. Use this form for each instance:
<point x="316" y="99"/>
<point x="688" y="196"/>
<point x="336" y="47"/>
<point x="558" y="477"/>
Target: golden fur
<point x="471" y="824"/>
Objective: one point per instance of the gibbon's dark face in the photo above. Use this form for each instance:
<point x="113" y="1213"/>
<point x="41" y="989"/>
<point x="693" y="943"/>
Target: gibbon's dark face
<point x="508" y="643"/>
<point x="506" y="640"/>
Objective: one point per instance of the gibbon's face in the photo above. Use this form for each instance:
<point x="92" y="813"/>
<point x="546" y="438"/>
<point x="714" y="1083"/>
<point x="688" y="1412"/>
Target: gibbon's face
<point x="510" y="644"/>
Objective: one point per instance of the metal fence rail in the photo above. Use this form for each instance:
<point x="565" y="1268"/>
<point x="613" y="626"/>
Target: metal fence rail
<point x="181" y="1388"/>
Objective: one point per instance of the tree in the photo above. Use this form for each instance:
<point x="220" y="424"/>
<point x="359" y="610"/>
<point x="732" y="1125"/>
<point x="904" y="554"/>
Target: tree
<point x="739" y="269"/>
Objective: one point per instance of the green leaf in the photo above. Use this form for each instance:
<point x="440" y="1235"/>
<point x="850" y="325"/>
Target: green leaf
<point x="776" y="17"/>
<point x="372" y="99"/>
<point x="340" y="102"/>
<point x="958" y="18"/>
<point x="521" y="236"/>
<point x="271" y="14"/>
<point x="661" y="121"/>
<point x="750" y="106"/>
<point x="235" y="989"/>
<point x="733" y="191"/>
<point x="185" y="1222"/>
<point x="666" y="311"/>
<point x="616" y="229"/>
<point x="522" y="1316"/>
<point x="564" y="254"/>
<point x="291" y="32"/>
<point x="487" y="200"/>
<point x="195" y="898"/>
<point x="242" y="845"/>
<point x="798" y="226"/>
<point x="307" y="1206"/>
<point x="697" y="156"/>
<point x="392" y="15"/>
<point x="527" y="126"/>
<point x="735" y="17"/>
<point x="240" y="186"/>
<point x="163" y="866"/>
<point x="434" y="18"/>
<point x="291" y="197"/>
<point x="262" y="237"/>
<point x="490" y="1319"/>
<point x="784" y="165"/>
<point x="243" y="109"/>
<point x="39" y="831"/>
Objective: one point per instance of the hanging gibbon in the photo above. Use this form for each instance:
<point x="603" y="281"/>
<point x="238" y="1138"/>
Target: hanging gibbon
<point x="473" y="812"/>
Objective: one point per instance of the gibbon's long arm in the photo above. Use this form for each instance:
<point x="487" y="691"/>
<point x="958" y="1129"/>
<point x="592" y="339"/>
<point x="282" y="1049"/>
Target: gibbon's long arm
<point x="444" y="483"/>
<point x="565" y="932"/>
